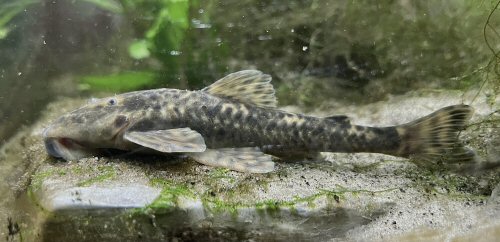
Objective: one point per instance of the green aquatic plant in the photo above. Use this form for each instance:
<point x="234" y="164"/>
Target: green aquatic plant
<point x="122" y="82"/>
<point x="173" y="33"/>
<point x="108" y="5"/>
<point x="160" y="27"/>
<point x="9" y="10"/>
<point x="179" y="35"/>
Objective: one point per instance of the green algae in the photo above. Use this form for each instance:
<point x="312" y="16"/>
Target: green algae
<point x="217" y="205"/>
<point x="341" y="56"/>
<point x="98" y="174"/>
<point x="104" y="173"/>
<point x="220" y="173"/>
<point x="273" y="206"/>
<point x="455" y="186"/>
<point x="169" y="195"/>
<point x="231" y="198"/>
<point x="38" y="177"/>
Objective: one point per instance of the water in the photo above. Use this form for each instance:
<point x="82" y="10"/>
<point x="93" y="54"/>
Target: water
<point x="380" y="64"/>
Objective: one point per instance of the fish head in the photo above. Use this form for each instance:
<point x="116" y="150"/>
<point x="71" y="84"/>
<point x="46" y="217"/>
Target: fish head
<point x="83" y="132"/>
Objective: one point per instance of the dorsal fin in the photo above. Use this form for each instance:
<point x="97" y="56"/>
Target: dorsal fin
<point x="249" y="86"/>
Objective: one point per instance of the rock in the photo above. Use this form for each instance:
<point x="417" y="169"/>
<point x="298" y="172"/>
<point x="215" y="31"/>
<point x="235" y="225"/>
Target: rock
<point x="494" y="201"/>
<point x="348" y="196"/>
<point x="112" y="196"/>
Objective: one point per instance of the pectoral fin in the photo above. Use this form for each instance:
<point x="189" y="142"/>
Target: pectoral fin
<point x="168" y="141"/>
<point x="239" y="159"/>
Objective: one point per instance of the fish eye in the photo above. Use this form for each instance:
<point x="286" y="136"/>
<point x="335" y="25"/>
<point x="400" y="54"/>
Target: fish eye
<point x="112" y="102"/>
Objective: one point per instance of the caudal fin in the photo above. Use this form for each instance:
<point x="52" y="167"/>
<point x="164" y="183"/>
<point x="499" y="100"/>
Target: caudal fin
<point x="435" y="136"/>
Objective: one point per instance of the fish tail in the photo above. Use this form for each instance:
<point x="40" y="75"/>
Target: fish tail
<point x="435" y="136"/>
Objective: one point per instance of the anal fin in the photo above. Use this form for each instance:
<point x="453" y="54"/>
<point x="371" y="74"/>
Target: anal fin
<point x="250" y="160"/>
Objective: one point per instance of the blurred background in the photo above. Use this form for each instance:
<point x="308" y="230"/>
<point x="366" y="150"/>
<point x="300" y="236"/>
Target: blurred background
<point x="316" y="50"/>
<point x="323" y="55"/>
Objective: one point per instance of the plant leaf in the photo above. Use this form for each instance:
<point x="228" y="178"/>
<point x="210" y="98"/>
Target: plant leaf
<point x="4" y="32"/>
<point x="121" y="82"/>
<point x="109" y="5"/>
<point x="139" y="49"/>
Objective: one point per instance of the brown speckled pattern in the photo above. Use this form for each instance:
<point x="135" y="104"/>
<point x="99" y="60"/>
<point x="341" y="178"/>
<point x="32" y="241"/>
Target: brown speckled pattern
<point x="224" y="123"/>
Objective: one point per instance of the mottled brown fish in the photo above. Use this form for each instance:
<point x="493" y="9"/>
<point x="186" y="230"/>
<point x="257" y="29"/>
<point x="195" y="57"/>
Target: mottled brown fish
<point x="234" y="123"/>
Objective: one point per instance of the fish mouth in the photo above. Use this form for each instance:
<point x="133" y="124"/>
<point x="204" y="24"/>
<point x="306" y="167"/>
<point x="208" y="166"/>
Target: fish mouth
<point x="66" y="148"/>
<point x="52" y="149"/>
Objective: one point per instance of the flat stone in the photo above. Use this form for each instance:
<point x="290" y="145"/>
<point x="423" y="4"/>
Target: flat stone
<point x="349" y="196"/>
<point x="98" y="197"/>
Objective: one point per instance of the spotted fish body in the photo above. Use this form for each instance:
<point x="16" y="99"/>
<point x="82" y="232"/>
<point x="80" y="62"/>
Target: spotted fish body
<point x="224" y="123"/>
<point x="232" y="122"/>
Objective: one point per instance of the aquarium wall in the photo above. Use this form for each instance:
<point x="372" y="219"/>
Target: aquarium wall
<point x="372" y="63"/>
<point x="315" y="50"/>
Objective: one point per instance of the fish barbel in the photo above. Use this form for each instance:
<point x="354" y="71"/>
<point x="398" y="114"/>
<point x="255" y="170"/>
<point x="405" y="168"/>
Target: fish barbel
<point x="234" y="123"/>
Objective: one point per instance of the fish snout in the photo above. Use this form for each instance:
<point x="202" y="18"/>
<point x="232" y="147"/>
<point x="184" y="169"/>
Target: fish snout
<point x="50" y="144"/>
<point x="51" y="148"/>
